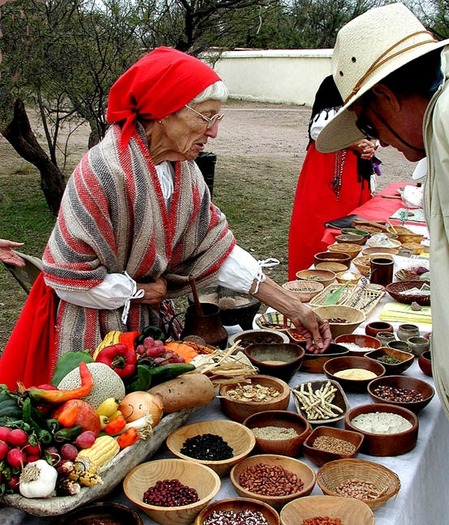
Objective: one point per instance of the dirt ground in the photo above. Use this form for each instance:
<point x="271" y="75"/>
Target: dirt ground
<point x="280" y="131"/>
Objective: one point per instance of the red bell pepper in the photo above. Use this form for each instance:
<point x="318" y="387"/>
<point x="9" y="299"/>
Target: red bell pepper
<point x="120" y="358"/>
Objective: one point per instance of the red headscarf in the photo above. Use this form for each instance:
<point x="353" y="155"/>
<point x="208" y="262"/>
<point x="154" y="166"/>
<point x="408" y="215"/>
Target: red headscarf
<point x="158" y="84"/>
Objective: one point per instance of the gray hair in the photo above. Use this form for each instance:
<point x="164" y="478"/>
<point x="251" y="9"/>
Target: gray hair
<point x="216" y="91"/>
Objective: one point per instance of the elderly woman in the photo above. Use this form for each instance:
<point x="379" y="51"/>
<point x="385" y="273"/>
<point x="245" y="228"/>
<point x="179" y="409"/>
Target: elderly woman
<point x="136" y="220"/>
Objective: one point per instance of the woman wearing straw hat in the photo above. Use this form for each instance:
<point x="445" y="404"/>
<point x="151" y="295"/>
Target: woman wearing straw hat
<point x="392" y="75"/>
<point x="136" y="222"/>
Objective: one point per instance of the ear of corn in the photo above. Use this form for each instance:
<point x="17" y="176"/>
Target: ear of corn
<point x="111" y="338"/>
<point x="100" y="453"/>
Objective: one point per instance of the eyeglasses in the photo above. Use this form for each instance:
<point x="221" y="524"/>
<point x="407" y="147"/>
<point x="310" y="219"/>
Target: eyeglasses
<point x="210" y="120"/>
<point x="365" y="126"/>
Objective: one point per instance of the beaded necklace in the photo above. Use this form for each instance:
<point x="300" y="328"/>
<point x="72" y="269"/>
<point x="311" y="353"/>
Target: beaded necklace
<point x="340" y="158"/>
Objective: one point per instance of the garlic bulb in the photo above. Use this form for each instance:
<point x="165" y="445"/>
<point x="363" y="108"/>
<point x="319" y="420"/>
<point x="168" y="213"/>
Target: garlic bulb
<point x="38" y="479"/>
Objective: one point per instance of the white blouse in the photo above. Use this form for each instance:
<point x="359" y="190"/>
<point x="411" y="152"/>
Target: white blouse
<point x="117" y="289"/>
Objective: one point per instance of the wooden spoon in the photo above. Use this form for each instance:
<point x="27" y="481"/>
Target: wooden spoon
<point x="196" y="299"/>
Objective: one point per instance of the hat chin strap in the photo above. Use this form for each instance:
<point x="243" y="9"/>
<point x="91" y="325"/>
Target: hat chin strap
<point x="382" y="59"/>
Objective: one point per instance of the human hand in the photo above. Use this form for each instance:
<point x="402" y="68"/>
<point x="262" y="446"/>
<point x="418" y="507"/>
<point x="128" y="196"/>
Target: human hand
<point x="315" y="331"/>
<point x="366" y="148"/>
<point x="154" y="293"/>
<point x="8" y="256"/>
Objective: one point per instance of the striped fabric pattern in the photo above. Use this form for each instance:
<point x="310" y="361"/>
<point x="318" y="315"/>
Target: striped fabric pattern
<point x="113" y="218"/>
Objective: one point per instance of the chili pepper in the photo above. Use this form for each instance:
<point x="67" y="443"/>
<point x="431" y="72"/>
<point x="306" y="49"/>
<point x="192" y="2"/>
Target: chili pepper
<point x="128" y="438"/>
<point x="68" y="362"/>
<point x="162" y="373"/>
<point x="129" y="339"/>
<point x="67" y="416"/>
<point x="67" y="435"/>
<point x="141" y="381"/>
<point x="120" y="358"/>
<point x="115" y="426"/>
<point x="150" y="331"/>
<point x="59" y="396"/>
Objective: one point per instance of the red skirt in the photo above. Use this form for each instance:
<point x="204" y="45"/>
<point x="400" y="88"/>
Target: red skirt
<point x="316" y="203"/>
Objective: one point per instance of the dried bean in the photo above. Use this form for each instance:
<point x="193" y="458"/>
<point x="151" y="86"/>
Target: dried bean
<point x="229" y="517"/>
<point x="354" y="488"/>
<point x="398" y="395"/>
<point x="322" y="520"/>
<point x="170" y="493"/>
<point x="209" y="447"/>
<point x="270" y="480"/>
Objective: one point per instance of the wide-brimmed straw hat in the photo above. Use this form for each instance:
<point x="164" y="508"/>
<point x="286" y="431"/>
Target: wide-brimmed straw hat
<point x="367" y="50"/>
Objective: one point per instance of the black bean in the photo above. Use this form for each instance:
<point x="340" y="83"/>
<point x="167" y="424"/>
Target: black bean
<point x="208" y="447"/>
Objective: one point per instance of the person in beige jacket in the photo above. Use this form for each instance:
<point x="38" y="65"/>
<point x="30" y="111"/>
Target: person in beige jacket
<point x="393" y="77"/>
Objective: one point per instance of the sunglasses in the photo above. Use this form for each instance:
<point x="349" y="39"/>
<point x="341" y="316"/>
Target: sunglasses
<point x="210" y="120"/>
<point x="365" y="126"/>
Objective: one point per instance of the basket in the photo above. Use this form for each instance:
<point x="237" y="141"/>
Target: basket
<point x="396" y="290"/>
<point x="362" y="264"/>
<point x="333" y="474"/>
<point x="344" y="247"/>
<point x="306" y="290"/>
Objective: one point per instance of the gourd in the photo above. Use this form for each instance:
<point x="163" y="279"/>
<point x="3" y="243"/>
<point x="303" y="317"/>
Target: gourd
<point x="107" y="383"/>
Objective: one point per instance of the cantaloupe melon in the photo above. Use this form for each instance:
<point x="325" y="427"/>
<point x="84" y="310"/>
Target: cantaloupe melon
<point x="107" y="383"/>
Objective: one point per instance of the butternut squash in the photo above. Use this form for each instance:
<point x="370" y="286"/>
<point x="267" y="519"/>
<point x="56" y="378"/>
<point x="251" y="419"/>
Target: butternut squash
<point x="186" y="391"/>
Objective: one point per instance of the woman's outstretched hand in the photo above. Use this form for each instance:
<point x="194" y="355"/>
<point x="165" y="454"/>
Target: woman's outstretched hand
<point x="8" y="256"/>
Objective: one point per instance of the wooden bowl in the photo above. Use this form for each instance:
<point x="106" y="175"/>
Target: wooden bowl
<point x="325" y="277"/>
<point x="280" y="360"/>
<point x="399" y="293"/>
<point x="284" y="419"/>
<point x="300" y="469"/>
<point x="199" y="477"/>
<point x="101" y="512"/>
<point x="348" y="277"/>
<point x="313" y="363"/>
<point x="340" y="401"/>
<point x="351" y="238"/>
<point x="274" y="321"/>
<point x="249" y="337"/>
<point x="351" y="318"/>
<point x="377" y="250"/>
<point x="236" y="435"/>
<point x="335" y="257"/>
<point x="375" y="327"/>
<point x="425" y="363"/>
<point x="332" y="266"/>
<point x="376" y="444"/>
<point x="338" y="364"/>
<point x="351" y="249"/>
<point x="239" y="505"/>
<point x="239" y="410"/>
<point x="335" y="473"/>
<point x="349" y="510"/>
<point x="401" y="382"/>
<point x="305" y="290"/>
<point x="405" y="359"/>
<point x="320" y="456"/>
<point x="358" y="344"/>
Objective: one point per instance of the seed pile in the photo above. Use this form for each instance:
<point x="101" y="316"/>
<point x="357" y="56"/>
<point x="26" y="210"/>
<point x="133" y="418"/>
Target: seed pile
<point x="271" y="432"/>
<point x="322" y="520"/>
<point x="270" y="480"/>
<point x="355" y="488"/>
<point x="253" y="392"/>
<point x="209" y="447"/>
<point x="334" y="445"/>
<point x="170" y="493"/>
<point x="229" y="517"/>
<point x="389" y="360"/>
<point x="398" y="395"/>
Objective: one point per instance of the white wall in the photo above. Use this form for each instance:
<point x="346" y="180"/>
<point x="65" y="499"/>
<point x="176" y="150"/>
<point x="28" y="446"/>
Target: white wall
<point x="287" y="76"/>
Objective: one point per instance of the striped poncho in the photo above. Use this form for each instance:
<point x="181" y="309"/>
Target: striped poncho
<point x="113" y="218"/>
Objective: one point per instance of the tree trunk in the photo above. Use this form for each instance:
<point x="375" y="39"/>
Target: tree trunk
<point x="21" y="137"/>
